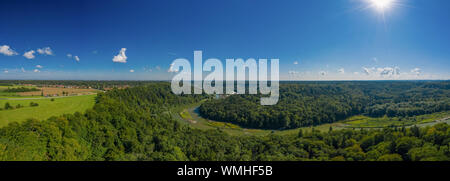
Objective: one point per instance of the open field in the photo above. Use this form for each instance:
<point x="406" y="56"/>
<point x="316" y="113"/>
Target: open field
<point x="45" y="91"/>
<point x="46" y="108"/>
<point x="52" y="91"/>
<point x="369" y="122"/>
<point x="190" y="115"/>
<point x="3" y="87"/>
<point x="12" y="94"/>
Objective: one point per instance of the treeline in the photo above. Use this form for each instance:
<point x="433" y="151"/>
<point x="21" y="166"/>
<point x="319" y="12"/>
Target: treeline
<point x="407" y="109"/>
<point x="313" y="103"/>
<point x="136" y="124"/>
<point x="8" y="106"/>
<point x="21" y="89"/>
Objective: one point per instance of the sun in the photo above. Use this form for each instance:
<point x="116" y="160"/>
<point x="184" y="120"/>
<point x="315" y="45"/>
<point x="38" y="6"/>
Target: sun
<point x="382" y="5"/>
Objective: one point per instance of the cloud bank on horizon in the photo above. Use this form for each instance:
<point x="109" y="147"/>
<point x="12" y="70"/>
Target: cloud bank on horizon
<point x="372" y="73"/>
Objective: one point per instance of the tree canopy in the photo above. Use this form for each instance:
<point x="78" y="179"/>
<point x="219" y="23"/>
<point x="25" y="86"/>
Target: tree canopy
<point x="137" y="124"/>
<point x="314" y="103"/>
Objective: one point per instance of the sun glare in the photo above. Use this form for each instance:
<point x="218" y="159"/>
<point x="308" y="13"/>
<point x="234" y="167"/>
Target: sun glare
<point x="382" y="5"/>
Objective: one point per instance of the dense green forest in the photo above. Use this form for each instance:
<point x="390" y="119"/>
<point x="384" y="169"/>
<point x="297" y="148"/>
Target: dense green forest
<point x="136" y="124"/>
<point x="313" y="103"/>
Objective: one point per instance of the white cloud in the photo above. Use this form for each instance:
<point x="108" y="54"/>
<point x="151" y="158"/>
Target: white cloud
<point x="5" y="71"/>
<point x="375" y="59"/>
<point x="6" y="50"/>
<point x="385" y="71"/>
<point x="75" y="57"/>
<point x="36" y="70"/>
<point x="397" y="70"/>
<point x="416" y="71"/>
<point x="388" y="71"/>
<point x="296" y="63"/>
<point x="294" y="74"/>
<point x="172" y="69"/>
<point x="131" y="70"/>
<point x="23" y="70"/>
<point x="39" y="66"/>
<point x="367" y="71"/>
<point x="45" y="51"/>
<point x="121" y="57"/>
<point x="29" y="54"/>
<point x="341" y="71"/>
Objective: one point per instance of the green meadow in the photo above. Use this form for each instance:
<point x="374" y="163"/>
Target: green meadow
<point x="47" y="108"/>
<point x="381" y="122"/>
<point x="189" y="115"/>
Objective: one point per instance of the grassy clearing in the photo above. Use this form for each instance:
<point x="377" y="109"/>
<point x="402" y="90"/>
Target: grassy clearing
<point x="369" y="122"/>
<point x="223" y="125"/>
<point x="233" y="129"/>
<point x="46" y="108"/>
<point x="185" y="115"/>
<point x="189" y="115"/>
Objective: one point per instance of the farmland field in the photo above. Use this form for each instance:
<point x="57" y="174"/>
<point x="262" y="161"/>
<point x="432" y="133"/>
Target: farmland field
<point x="44" y="91"/>
<point x="58" y="91"/>
<point x="46" y="108"/>
<point x="11" y="94"/>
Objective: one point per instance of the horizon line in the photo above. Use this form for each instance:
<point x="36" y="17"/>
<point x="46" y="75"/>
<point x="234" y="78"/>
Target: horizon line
<point x="223" y="81"/>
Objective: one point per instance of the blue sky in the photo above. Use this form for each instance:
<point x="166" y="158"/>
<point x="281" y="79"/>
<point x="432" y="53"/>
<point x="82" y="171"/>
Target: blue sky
<point x="314" y="40"/>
